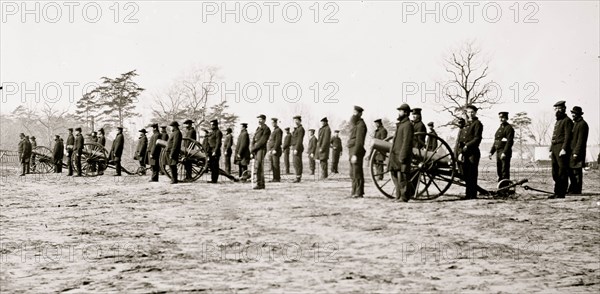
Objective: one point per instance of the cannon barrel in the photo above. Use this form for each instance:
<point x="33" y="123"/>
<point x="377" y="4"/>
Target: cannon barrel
<point x="194" y="153"/>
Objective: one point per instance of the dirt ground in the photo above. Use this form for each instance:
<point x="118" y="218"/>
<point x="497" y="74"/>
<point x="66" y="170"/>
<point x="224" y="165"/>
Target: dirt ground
<point x="108" y="234"/>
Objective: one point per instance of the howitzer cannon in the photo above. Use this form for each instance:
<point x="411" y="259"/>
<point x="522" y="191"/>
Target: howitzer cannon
<point x="432" y="171"/>
<point x="44" y="160"/>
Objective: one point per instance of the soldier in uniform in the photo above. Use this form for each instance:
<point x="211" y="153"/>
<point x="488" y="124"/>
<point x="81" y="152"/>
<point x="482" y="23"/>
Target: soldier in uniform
<point x="154" y="153"/>
<point x="242" y="150"/>
<point x="33" y="146"/>
<point x="142" y="150"/>
<point x="190" y="133"/>
<point x="274" y="149"/>
<point x="381" y="134"/>
<point x="432" y="142"/>
<point x="297" y="146"/>
<point x="419" y="127"/>
<point x="312" y="147"/>
<point x="116" y="151"/>
<point x="78" y="149"/>
<point x="101" y="141"/>
<point x="259" y="150"/>
<point x="24" y="153"/>
<point x="401" y="155"/>
<point x="214" y="150"/>
<point x="323" y="144"/>
<point x="356" y="147"/>
<point x="70" y="145"/>
<point x="227" y="147"/>
<point x="503" y="142"/>
<point x="460" y="123"/>
<point x="470" y="140"/>
<point x="560" y="150"/>
<point x="578" y="150"/>
<point x="165" y="137"/>
<point x="336" y="145"/>
<point x="205" y="138"/>
<point x="173" y="150"/>
<point x="287" y="141"/>
<point x="93" y="139"/>
<point x="57" y="154"/>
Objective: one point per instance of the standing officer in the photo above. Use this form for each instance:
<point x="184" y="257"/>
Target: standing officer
<point x="57" y="154"/>
<point x="214" y="150"/>
<point x="190" y="133"/>
<point x="227" y="147"/>
<point x="242" y="150"/>
<point x="578" y="149"/>
<point x="470" y="140"/>
<point x="503" y="142"/>
<point x="33" y="146"/>
<point x="460" y="123"/>
<point x="401" y="155"/>
<point x="297" y="146"/>
<point x="78" y="149"/>
<point x="560" y="150"/>
<point x="24" y="154"/>
<point x="154" y="153"/>
<point x="287" y="141"/>
<point x="165" y="137"/>
<point x="356" y="147"/>
<point x="101" y="141"/>
<point x="419" y="127"/>
<point x="380" y="133"/>
<point x="323" y="144"/>
<point x="432" y="142"/>
<point x="336" y="145"/>
<point x="312" y="147"/>
<point x="70" y="145"/>
<point x="93" y="139"/>
<point x="259" y="150"/>
<point x="274" y="149"/>
<point x="116" y="151"/>
<point x="173" y="150"/>
<point x="142" y="150"/>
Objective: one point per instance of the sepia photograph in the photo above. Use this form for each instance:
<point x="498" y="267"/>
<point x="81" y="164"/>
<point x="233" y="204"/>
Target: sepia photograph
<point x="299" y="146"/>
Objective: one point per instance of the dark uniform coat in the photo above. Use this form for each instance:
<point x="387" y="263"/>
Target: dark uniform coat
<point x="24" y="150"/>
<point x="261" y="136"/>
<point x="228" y="144"/>
<point x="275" y="141"/>
<point x="419" y="127"/>
<point x="323" y="143"/>
<point x="79" y="141"/>
<point x="503" y="140"/>
<point x="102" y="140"/>
<point x="117" y="147"/>
<point x="215" y="142"/>
<point x="356" y="142"/>
<point x="142" y="150"/>
<point x="297" y="142"/>
<point x="402" y="145"/>
<point x="579" y="139"/>
<point x="70" y="142"/>
<point x="432" y="142"/>
<point x="164" y="136"/>
<point x="287" y="141"/>
<point x="58" y="152"/>
<point x="381" y="134"/>
<point x="174" y="147"/>
<point x="154" y="149"/>
<point x="242" y="149"/>
<point x="336" y="144"/>
<point x="312" y="145"/>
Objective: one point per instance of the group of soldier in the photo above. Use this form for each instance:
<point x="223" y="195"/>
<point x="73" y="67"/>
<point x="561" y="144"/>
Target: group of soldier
<point x="568" y="150"/>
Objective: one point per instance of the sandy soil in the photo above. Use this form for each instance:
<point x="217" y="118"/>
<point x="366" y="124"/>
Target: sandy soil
<point x="107" y="234"/>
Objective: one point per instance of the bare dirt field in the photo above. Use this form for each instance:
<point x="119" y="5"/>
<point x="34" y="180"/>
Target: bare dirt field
<point x="108" y="234"/>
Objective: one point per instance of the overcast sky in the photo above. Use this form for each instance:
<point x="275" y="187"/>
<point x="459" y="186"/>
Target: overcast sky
<point x="369" y="53"/>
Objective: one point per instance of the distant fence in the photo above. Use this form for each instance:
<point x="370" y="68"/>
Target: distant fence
<point x="8" y="157"/>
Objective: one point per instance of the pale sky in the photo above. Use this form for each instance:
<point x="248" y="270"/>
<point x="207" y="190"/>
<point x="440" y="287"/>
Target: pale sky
<point x="371" y="53"/>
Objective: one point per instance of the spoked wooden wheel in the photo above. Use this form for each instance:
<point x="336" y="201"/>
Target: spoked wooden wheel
<point x="378" y="165"/>
<point x="44" y="161"/>
<point x="192" y="156"/>
<point x="94" y="159"/>
<point x="432" y="168"/>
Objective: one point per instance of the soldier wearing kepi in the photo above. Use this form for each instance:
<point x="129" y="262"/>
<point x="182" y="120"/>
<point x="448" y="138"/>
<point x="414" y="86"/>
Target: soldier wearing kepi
<point x="116" y="151"/>
<point x="78" y="149"/>
<point x="242" y="150"/>
<point x="323" y="144"/>
<point x="312" y="147"/>
<point x="381" y="134"/>
<point x="297" y="146"/>
<point x="70" y="145"/>
<point x="173" y="150"/>
<point x="190" y="133"/>
<point x="274" y="149"/>
<point x="154" y="153"/>
<point x="287" y="141"/>
<point x="259" y="150"/>
<point x="24" y="154"/>
<point x="214" y="150"/>
<point x="470" y="140"/>
<point x="57" y="154"/>
<point x="336" y="145"/>
<point x="578" y="150"/>
<point x="356" y="147"/>
<point x="419" y="127"/>
<point x="560" y="150"/>
<point x="432" y="142"/>
<point x="401" y="155"/>
<point x="503" y="142"/>
<point x="142" y="150"/>
<point x="227" y="149"/>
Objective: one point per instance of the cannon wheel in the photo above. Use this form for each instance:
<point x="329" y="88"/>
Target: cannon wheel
<point x="433" y="171"/>
<point x="199" y="166"/>
<point x="93" y="159"/>
<point x="44" y="162"/>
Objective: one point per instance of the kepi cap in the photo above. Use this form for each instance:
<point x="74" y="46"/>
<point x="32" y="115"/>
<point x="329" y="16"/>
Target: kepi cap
<point x="174" y="124"/>
<point x="404" y="107"/>
<point x="503" y="114"/>
<point x="143" y="131"/>
<point x="430" y="124"/>
<point x="377" y="120"/>
<point x="324" y="119"/>
<point x="358" y="108"/>
<point x="262" y="116"/>
<point x="416" y="110"/>
<point x="560" y="103"/>
<point x="188" y="122"/>
<point x="298" y="117"/>
<point x="472" y="107"/>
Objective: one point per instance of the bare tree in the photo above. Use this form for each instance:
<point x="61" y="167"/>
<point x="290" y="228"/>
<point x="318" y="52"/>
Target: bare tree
<point x="26" y="115"/>
<point x="540" y="129"/>
<point x="169" y="106"/>
<point x="467" y="85"/>
<point x="52" y="119"/>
